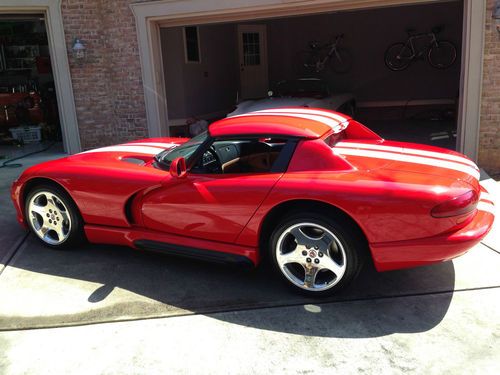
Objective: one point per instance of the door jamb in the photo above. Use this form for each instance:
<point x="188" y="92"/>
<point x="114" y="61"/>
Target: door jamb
<point x="51" y="9"/>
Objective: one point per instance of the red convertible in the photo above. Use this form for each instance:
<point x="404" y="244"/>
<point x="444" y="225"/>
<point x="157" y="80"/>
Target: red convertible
<point x="313" y="191"/>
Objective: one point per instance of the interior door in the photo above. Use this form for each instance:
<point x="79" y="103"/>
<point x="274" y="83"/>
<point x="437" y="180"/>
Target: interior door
<point x="252" y="47"/>
<point x="210" y="206"/>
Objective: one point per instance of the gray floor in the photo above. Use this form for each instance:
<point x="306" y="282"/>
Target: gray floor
<point x="108" y="309"/>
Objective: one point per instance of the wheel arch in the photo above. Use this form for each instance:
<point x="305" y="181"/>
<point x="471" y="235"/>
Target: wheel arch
<point x="273" y="216"/>
<point x="33" y="182"/>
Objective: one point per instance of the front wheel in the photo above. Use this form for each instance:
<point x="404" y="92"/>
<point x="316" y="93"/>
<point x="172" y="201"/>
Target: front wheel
<point x="398" y="56"/>
<point x="442" y="55"/>
<point x="315" y="254"/>
<point x="53" y="217"/>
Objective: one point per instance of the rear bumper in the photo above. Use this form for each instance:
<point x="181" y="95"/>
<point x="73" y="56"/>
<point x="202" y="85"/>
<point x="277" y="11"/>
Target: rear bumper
<point x="406" y="254"/>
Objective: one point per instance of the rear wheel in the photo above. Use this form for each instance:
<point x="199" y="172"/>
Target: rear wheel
<point x="53" y="217"/>
<point x="315" y="254"/>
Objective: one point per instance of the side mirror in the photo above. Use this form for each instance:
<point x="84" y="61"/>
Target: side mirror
<point x="178" y="167"/>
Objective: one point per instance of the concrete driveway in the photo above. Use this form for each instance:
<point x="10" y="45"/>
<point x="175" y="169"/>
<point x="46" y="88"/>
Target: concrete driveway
<point x="108" y="309"/>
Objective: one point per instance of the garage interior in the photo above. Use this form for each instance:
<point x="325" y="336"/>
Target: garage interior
<point x="29" y="119"/>
<point x="203" y="67"/>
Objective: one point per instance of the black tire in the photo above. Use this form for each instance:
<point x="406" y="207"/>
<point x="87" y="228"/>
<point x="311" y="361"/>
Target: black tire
<point x="341" y="61"/>
<point x="442" y="55"/>
<point x="398" y="57"/>
<point x="72" y="232"/>
<point x="346" y="251"/>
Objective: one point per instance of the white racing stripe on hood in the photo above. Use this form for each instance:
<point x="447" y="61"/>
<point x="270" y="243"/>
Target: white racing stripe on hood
<point x="408" y="151"/>
<point x="132" y="149"/>
<point x="409" y="159"/>
<point x="306" y="111"/>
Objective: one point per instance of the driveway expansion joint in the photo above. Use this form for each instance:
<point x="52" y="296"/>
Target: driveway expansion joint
<point x="256" y="308"/>
<point x="10" y="255"/>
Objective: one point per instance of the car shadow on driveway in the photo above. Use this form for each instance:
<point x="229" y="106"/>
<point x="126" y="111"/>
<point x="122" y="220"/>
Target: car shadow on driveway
<point x="94" y="284"/>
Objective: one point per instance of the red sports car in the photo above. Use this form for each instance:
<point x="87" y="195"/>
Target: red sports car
<point x="313" y="191"/>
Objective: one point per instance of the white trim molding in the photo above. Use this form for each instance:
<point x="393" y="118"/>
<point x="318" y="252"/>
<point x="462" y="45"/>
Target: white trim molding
<point x="150" y="16"/>
<point x="471" y="78"/>
<point x="51" y="9"/>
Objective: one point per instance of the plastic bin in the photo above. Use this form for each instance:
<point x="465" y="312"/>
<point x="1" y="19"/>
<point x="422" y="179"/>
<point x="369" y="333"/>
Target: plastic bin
<point x="27" y="134"/>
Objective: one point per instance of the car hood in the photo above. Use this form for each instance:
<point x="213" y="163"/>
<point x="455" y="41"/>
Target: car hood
<point x="267" y="103"/>
<point x="391" y="160"/>
<point x="144" y="150"/>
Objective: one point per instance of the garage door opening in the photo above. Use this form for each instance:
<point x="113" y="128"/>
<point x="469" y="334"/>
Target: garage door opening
<point x="333" y="60"/>
<point x="29" y="119"/>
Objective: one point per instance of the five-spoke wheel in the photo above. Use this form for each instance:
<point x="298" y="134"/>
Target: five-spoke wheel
<point x="52" y="216"/>
<point x="314" y="253"/>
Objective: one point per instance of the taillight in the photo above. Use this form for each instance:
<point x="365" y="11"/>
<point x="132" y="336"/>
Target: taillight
<point x="457" y="206"/>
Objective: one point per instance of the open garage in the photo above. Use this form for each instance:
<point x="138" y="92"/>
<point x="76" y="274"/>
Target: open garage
<point x="209" y="68"/>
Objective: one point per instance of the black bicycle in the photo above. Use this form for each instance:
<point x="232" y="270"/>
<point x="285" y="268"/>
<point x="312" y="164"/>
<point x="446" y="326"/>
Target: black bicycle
<point x="441" y="54"/>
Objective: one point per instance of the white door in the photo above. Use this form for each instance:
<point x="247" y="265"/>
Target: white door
<point x="252" y="46"/>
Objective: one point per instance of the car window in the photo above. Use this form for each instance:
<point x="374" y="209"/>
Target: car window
<point x="185" y="150"/>
<point x="332" y="140"/>
<point x="226" y="156"/>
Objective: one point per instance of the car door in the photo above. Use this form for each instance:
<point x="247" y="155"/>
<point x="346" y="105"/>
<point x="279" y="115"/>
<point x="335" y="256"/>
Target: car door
<point x="208" y="206"/>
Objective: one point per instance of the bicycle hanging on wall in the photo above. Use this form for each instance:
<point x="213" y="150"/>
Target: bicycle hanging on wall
<point x="328" y="56"/>
<point x="441" y="54"/>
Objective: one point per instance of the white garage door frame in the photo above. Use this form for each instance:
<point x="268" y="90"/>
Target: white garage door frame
<point x="150" y="16"/>
<point x="51" y="9"/>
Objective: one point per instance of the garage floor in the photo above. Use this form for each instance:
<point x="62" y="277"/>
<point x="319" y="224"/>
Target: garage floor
<point x="228" y="317"/>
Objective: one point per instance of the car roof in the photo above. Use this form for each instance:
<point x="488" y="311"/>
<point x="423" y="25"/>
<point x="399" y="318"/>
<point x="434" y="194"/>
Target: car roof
<point x="289" y="122"/>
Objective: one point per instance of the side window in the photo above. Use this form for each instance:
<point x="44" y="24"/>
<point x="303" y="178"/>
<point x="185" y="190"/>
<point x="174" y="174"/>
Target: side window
<point x="226" y="156"/>
<point x="192" y="44"/>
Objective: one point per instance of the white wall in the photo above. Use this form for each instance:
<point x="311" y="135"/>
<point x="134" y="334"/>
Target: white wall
<point x="195" y="89"/>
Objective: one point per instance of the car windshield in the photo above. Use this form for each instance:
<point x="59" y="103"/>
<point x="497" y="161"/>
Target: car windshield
<point x="185" y="150"/>
<point x="302" y="88"/>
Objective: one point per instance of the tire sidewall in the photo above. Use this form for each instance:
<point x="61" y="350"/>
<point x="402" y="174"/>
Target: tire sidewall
<point x="340" y="229"/>
<point x="76" y="235"/>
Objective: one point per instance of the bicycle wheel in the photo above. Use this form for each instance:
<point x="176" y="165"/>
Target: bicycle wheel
<point x="341" y="61"/>
<point x="398" y="56"/>
<point x="442" y="55"/>
<point x="307" y="63"/>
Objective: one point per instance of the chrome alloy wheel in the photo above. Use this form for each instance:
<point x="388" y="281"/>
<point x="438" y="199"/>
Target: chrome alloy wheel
<point x="311" y="257"/>
<point x="49" y="217"/>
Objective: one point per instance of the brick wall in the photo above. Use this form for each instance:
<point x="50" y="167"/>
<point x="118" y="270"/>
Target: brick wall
<point x="489" y="138"/>
<point x="107" y="86"/>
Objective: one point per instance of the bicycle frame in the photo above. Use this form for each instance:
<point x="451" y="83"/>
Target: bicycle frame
<point x="410" y="42"/>
<point x="332" y="50"/>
